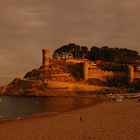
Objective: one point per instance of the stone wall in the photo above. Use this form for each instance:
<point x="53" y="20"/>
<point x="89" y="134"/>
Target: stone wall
<point x="99" y="74"/>
<point x="103" y="75"/>
<point x="136" y="75"/>
<point x="60" y="74"/>
<point x="92" y="71"/>
<point x="76" y="61"/>
<point x="74" y="86"/>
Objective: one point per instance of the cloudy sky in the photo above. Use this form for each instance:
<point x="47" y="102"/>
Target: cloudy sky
<point x="27" y="26"/>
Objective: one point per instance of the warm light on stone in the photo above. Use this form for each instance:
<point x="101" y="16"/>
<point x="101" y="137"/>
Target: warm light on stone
<point x="45" y="60"/>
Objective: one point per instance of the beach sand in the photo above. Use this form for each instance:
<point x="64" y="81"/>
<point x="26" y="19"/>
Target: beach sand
<point x="104" y="121"/>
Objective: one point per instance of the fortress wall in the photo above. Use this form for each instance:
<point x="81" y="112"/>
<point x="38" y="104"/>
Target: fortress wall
<point x="136" y="74"/>
<point x="74" y="86"/>
<point x="61" y="74"/>
<point x="99" y="74"/>
<point x="120" y="74"/>
<point x="102" y="75"/>
<point x="76" y="61"/>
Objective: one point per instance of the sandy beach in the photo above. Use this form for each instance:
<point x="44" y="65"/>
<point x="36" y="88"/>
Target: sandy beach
<point x="104" y="121"/>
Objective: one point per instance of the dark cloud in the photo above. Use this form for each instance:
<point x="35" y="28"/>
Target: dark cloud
<point x="27" y="26"/>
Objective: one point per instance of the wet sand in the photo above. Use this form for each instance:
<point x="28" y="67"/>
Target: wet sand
<point x="104" y="121"/>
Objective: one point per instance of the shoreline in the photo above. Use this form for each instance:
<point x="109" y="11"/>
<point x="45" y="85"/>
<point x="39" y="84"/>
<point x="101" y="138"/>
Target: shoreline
<point x="96" y="100"/>
<point x="104" y="121"/>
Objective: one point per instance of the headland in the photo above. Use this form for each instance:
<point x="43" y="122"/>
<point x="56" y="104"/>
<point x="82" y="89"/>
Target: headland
<point x="58" y="76"/>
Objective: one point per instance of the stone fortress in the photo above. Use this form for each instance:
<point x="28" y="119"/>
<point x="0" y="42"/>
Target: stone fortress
<point x="65" y="77"/>
<point x="91" y="71"/>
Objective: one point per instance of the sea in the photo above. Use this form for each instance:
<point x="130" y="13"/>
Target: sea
<point x="12" y="108"/>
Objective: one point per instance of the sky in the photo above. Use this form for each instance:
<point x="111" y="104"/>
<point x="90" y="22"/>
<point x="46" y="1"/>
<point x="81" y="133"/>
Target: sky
<point x="28" y="26"/>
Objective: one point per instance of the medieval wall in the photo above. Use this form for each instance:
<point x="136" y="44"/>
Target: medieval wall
<point x="103" y="75"/>
<point x="137" y="75"/>
<point x="91" y="70"/>
<point x="60" y="74"/>
<point x="74" y="86"/>
<point x="76" y="61"/>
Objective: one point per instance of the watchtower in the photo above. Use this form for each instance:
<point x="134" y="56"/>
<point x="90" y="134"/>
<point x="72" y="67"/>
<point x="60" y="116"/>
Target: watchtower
<point x="85" y="70"/>
<point x="45" y="60"/>
<point x="131" y="73"/>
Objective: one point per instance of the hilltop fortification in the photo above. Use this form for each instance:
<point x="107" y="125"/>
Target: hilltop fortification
<point x="67" y="76"/>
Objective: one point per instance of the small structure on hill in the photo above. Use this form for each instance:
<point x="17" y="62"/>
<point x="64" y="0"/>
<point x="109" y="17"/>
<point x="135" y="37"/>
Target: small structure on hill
<point x="45" y="60"/>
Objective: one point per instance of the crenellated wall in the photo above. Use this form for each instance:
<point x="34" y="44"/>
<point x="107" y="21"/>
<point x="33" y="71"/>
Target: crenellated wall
<point x="60" y="74"/>
<point x="99" y="74"/>
<point x="90" y="70"/>
<point x="103" y="75"/>
<point x="74" y="86"/>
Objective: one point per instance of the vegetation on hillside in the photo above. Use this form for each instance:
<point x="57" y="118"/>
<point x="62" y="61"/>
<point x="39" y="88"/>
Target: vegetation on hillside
<point x="117" y="55"/>
<point x="110" y="59"/>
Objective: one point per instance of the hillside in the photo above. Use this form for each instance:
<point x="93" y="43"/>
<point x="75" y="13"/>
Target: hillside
<point x="34" y="82"/>
<point x="81" y="74"/>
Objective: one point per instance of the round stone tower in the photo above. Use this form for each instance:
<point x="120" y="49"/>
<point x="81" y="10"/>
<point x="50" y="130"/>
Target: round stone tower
<point x="131" y="73"/>
<point x="85" y="70"/>
<point x="45" y="60"/>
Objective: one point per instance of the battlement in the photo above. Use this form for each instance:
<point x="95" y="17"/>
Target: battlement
<point x="74" y="86"/>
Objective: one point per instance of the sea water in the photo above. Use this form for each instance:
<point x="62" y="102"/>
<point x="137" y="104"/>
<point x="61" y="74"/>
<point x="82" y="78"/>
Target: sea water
<point x="21" y="107"/>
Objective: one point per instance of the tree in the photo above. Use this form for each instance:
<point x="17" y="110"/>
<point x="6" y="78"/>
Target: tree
<point x="75" y="50"/>
<point x="95" y="53"/>
<point x="117" y="55"/>
<point x="84" y="52"/>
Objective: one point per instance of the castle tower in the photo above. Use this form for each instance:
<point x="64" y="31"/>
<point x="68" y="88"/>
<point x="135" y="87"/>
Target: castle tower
<point x="131" y="73"/>
<point x="45" y="60"/>
<point x="85" y="70"/>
